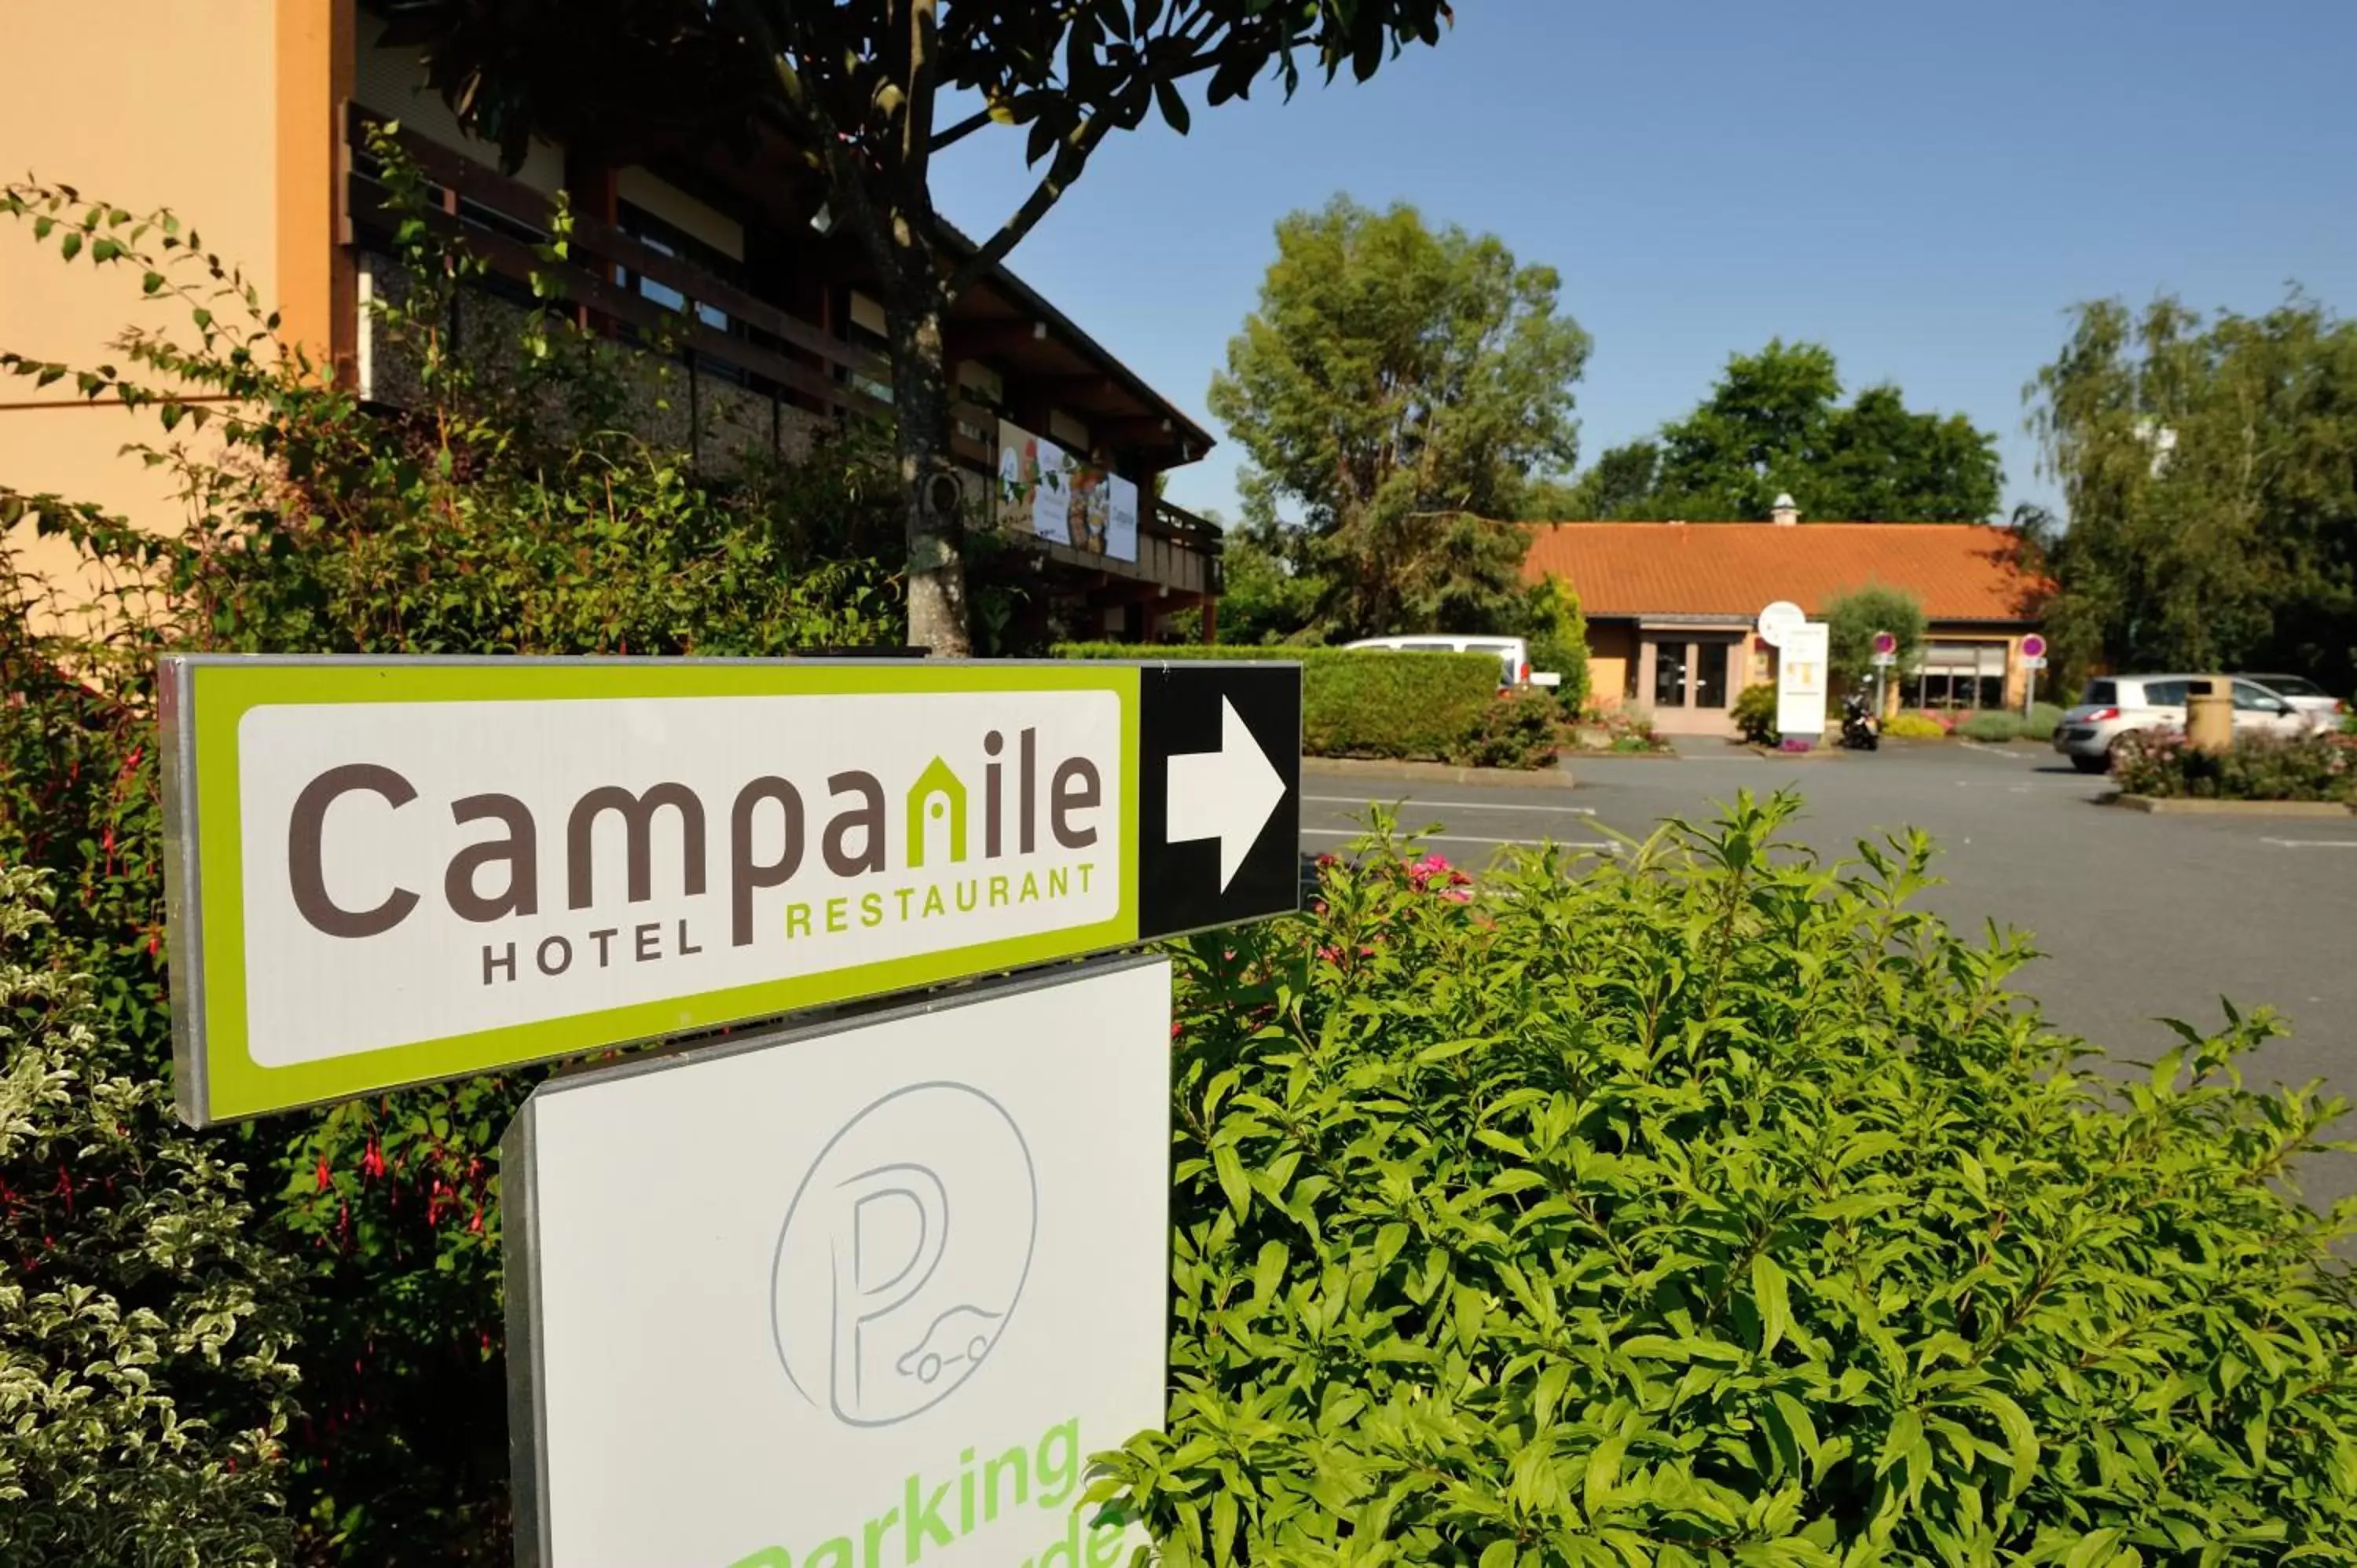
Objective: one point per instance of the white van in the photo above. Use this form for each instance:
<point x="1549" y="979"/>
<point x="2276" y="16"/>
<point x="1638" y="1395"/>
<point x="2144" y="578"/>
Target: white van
<point x="1513" y="654"/>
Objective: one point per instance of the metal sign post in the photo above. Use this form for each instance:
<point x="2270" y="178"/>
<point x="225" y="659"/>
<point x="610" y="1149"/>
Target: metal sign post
<point x="1886" y="654"/>
<point x="382" y="873"/>
<point x="2033" y="660"/>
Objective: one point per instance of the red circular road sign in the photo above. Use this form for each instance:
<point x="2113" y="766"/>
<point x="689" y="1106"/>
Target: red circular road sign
<point x="1884" y="643"/>
<point x="2033" y="647"/>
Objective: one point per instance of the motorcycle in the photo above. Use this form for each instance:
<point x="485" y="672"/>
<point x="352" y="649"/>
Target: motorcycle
<point x="1860" y="730"/>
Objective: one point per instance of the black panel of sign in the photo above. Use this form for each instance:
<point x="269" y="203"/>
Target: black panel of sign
<point x="1219" y="794"/>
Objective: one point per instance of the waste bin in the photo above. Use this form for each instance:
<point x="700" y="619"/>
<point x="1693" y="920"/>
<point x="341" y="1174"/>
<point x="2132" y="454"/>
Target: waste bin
<point x="2210" y="715"/>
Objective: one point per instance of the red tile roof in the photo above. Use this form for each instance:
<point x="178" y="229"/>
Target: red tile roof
<point x="1959" y="571"/>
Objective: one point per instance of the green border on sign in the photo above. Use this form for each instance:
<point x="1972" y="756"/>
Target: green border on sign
<point x="223" y="692"/>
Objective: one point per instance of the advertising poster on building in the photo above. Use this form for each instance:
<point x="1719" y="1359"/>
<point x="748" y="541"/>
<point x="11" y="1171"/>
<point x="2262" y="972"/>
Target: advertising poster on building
<point x="1045" y="491"/>
<point x="866" y="1295"/>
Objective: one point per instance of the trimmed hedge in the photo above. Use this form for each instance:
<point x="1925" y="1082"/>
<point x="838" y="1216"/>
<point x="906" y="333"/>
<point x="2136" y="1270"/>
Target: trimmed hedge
<point x="1999" y="724"/>
<point x="1362" y="702"/>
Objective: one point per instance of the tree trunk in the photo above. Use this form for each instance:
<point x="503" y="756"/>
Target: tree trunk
<point x="931" y="491"/>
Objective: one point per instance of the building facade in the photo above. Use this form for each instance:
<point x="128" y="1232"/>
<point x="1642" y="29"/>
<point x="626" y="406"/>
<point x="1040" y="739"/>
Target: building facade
<point x="251" y="119"/>
<point x="1671" y="607"/>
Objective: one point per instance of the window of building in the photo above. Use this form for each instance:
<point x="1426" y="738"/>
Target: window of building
<point x="665" y="238"/>
<point x="1670" y="674"/>
<point x="870" y="329"/>
<point x="1710" y="675"/>
<point x="1959" y="675"/>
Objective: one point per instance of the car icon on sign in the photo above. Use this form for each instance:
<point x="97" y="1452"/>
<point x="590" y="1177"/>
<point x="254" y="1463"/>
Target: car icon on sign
<point x="961" y="1333"/>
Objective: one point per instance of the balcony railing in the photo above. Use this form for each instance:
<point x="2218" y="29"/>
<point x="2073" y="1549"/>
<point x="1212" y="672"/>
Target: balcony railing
<point x="751" y="343"/>
<point x="506" y="224"/>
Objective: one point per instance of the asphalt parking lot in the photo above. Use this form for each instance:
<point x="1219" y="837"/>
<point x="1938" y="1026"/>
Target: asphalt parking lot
<point x="2140" y="917"/>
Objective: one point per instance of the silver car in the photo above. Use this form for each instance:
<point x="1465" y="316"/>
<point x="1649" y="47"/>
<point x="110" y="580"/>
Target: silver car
<point x="2324" y="711"/>
<point x="2112" y="705"/>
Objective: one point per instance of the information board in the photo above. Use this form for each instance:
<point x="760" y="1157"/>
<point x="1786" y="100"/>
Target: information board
<point x="1800" y="681"/>
<point x="849" y="1297"/>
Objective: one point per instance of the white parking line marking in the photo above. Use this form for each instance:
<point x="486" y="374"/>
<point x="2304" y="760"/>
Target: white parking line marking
<point x="2312" y="843"/>
<point x="2006" y="751"/>
<point x="1458" y="805"/>
<point x="1602" y="845"/>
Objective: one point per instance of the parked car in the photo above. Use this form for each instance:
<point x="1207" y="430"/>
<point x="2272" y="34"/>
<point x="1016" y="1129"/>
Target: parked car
<point x="2323" y="709"/>
<point x="2112" y="705"/>
<point x="1513" y="654"/>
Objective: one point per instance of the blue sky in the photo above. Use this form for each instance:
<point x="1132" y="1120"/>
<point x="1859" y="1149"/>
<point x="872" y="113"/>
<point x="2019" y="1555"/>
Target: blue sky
<point x="1924" y="189"/>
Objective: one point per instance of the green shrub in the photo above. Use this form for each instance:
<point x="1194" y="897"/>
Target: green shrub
<point x="2163" y="765"/>
<point x="1755" y="714"/>
<point x="1712" y="1206"/>
<point x="1362" y="702"/>
<point x="2040" y="726"/>
<point x="502" y="512"/>
<point x="1991" y="725"/>
<point x="1521" y="728"/>
<point x="143" y="1398"/>
<point x="1915" y="726"/>
<point x="1559" y="639"/>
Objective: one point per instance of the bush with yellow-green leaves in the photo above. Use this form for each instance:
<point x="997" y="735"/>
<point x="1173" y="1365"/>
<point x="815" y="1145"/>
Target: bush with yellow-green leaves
<point x="1715" y="1205"/>
<point x="142" y="1390"/>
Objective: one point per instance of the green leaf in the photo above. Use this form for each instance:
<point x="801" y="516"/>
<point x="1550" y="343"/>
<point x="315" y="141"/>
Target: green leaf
<point x="1768" y="1291"/>
<point x="2021" y="1437"/>
<point x="1230" y="1173"/>
<point x="1804" y="1430"/>
<point x="2095" y="1547"/>
<point x="1603" y="1475"/>
<point x="1906" y="1431"/>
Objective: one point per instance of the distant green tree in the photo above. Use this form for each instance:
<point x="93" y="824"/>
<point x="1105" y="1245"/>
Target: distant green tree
<point x="1618" y="485"/>
<point x="1774" y="423"/>
<point x="1393" y="389"/>
<point x="2208" y="470"/>
<point x="1851" y="622"/>
<point x="1270" y="594"/>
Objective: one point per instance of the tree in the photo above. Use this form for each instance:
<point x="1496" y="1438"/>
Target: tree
<point x="1774" y="424"/>
<point x="1395" y="386"/>
<point x="1618" y="485"/>
<point x="858" y="88"/>
<point x="1268" y="594"/>
<point x="2210" y="475"/>
<point x="1851" y="622"/>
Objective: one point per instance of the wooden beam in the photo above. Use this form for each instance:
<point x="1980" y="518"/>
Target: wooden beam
<point x="1071" y="389"/>
<point x="983" y="339"/>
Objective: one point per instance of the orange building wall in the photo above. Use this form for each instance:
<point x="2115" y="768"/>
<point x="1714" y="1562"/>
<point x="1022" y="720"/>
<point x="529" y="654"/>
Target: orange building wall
<point x="1610" y="650"/>
<point x="224" y="111"/>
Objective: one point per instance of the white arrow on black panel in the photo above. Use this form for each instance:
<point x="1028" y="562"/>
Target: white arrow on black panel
<point x="1226" y="794"/>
